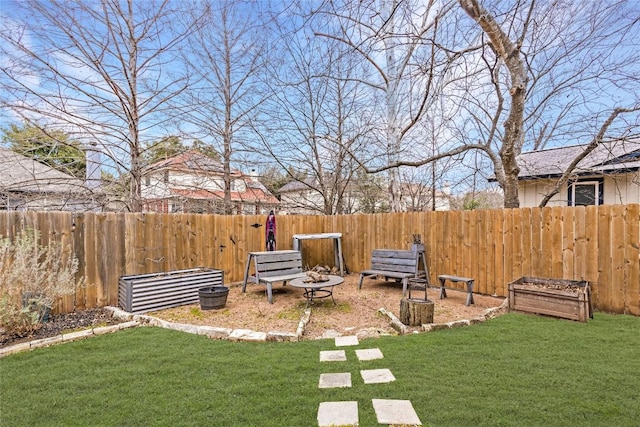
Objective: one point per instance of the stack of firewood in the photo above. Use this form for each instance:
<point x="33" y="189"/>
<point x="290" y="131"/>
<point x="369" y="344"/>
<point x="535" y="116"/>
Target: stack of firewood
<point x="315" y="277"/>
<point x="325" y="269"/>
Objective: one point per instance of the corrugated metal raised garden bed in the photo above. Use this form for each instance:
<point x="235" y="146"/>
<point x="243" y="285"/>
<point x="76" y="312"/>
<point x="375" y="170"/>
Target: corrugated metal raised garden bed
<point x="156" y="291"/>
<point x="567" y="299"/>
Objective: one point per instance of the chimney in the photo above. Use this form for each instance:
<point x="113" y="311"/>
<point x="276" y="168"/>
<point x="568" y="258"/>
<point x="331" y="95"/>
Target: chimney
<point x="446" y="190"/>
<point x="93" y="175"/>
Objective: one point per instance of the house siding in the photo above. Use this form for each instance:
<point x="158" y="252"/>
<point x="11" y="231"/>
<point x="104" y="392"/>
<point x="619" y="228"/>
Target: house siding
<point x="622" y="189"/>
<point x="618" y="189"/>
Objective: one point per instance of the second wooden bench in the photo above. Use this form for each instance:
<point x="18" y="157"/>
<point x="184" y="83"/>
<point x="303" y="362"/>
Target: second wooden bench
<point x="397" y="264"/>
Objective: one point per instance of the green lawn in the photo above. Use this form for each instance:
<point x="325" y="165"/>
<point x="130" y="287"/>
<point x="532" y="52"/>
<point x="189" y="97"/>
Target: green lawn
<point x="514" y="370"/>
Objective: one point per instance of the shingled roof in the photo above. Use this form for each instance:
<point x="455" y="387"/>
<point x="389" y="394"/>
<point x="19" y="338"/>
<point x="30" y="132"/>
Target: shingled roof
<point x="22" y="174"/>
<point x="608" y="157"/>
<point x="192" y="161"/>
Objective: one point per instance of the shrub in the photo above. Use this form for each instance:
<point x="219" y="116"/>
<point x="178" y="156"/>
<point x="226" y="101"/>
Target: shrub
<point x="32" y="278"/>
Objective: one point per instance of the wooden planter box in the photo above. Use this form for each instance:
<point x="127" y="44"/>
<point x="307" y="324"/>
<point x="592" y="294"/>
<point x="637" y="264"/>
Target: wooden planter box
<point x="567" y="299"/>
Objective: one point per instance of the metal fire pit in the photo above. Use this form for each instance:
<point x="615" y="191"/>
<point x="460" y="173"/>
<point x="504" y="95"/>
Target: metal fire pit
<point x="156" y="291"/>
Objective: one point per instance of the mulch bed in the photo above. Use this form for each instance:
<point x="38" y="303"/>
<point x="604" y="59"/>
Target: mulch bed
<point x="64" y="323"/>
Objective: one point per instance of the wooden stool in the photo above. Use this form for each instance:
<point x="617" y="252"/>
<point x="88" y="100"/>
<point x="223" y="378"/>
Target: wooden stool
<point x="443" y="293"/>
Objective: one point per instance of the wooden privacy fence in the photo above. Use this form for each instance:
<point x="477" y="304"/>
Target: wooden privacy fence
<point x="495" y="247"/>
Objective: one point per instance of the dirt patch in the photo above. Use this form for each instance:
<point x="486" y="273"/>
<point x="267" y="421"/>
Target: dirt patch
<point x="354" y="310"/>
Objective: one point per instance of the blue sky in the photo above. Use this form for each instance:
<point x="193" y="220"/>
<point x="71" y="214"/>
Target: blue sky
<point x="587" y="105"/>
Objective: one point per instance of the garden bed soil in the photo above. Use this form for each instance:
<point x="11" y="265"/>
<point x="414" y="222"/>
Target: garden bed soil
<point x="355" y="311"/>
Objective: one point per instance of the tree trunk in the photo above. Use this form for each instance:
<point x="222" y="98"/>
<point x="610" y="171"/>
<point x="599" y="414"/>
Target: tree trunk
<point x="509" y="53"/>
<point x="416" y="312"/>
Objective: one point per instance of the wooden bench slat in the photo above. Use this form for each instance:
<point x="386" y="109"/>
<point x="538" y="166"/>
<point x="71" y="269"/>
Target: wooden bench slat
<point x="275" y="273"/>
<point x="291" y="256"/>
<point x="455" y="278"/>
<point x="387" y="273"/>
<point x="283" y="278"/>
<point x="397" y="254"/>
<point x="393" y="267"/>
<point x="282" y="265"/>
<point x="394" y="261"/>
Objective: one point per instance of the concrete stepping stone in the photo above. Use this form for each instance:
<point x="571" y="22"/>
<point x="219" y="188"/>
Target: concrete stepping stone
<point x="338" y="414"/>
<point x="377" y="376"/>
<point x="340" y="380"/>
<point x="395" y="412"/>
<point x="369" y="354"/>
<point x="333" y="356"/>
<point x="346" y="341"/>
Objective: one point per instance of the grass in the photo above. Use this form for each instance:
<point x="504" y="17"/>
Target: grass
<point x="514" y="370"/>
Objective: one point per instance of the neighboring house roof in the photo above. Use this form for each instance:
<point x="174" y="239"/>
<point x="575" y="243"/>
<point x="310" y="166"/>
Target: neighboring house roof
<point x="195" y="163"/>
<point x="608" y="157"/>
<point x="251" y="195"/>
<point x="305" y="184"/>
<point x="22" y="174"/>
<point x="192" y="161"/>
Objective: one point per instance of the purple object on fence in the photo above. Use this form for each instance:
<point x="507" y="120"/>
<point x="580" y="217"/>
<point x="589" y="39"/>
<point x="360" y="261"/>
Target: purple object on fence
<point x="271" y="231"/>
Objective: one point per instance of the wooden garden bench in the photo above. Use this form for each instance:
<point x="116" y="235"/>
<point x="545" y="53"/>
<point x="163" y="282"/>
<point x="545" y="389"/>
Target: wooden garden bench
<point x="271" y="267"/>
<point x="397" y="264"/>
<point x="469" y="281"/>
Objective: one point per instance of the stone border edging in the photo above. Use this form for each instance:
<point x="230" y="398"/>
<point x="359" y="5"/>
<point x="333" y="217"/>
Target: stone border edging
<point x="71" y="336"/>
<point x="133" y="320"/>
<point x="213" y="332"/>
<point x="246" y="335"/>
<point x="490" y="313"/>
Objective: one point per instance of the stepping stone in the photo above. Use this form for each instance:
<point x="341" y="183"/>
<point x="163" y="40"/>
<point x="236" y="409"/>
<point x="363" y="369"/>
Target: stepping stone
<point x="345" y="341"/>
<point x="333" y="356"/>
<point x="335" y="380"/>
<point x="369" y="354"/>
<point x="395" y="412"/>
<point x="377" y="376"/>
<point x="338" y="414"/>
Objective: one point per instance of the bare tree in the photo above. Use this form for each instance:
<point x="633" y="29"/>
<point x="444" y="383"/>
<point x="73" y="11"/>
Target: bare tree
<point x="507" y="52"/>
<point x="563" y="63"/>
<point x="399" y="41"/>
<point x="227" y="56"/>
<point x="548" y="71"/>
<point x="316" y="110"/>
<point x="105" y="72"/>
<point x="316" y="118"/>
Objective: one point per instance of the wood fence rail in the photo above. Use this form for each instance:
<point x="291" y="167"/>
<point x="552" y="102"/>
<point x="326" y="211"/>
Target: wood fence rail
<point x="598" y="244"/>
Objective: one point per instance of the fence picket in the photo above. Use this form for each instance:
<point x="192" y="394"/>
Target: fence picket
<point x="631" y="257"/>
<point x="617" y="253"/>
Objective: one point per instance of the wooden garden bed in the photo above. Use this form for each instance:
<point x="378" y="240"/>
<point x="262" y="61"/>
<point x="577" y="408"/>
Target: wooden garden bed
<point x="567" y="299"/>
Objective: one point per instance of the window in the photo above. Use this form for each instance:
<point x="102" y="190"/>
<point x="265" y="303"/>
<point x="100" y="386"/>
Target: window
<point x="586" y="192"/>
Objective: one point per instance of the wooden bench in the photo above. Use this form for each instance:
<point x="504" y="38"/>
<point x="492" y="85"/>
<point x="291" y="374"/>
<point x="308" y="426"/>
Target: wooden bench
<point x="397" y="264"/>
<point x="271" y="267"/>
<point x="444" y="277"/>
